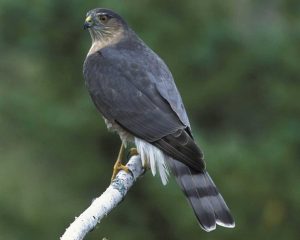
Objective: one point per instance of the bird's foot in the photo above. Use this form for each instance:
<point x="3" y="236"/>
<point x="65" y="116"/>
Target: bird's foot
<point x="133" y="152"/>
<point x="118" y="167"/>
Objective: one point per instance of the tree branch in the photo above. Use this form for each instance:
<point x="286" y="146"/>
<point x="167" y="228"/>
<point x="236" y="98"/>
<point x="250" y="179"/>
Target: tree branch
<point x="104" y="204"/>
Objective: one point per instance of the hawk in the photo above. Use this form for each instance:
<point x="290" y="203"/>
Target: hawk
<point x="134" y="91"/>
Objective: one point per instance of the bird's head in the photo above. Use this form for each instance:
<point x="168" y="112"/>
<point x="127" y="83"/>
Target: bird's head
<point x="104" y="24"/>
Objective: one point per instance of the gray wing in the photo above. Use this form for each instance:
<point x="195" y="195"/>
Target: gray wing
<point x="127" y="89"/>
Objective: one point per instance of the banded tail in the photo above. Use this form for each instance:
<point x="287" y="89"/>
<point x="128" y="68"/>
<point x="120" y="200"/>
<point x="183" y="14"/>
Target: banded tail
<point x="203" y="196"/>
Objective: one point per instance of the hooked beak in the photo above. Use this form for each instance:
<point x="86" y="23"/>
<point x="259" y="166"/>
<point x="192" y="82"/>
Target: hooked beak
<point x="88" y="23"/>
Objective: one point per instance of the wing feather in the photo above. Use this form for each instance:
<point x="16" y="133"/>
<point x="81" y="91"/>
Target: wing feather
<point x="128" y="90"/>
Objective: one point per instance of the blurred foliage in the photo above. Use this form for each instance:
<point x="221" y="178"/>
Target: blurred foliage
<point x="236" y="64"/>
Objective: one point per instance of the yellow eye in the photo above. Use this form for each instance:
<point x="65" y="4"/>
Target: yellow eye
<point x="103" y="18"/>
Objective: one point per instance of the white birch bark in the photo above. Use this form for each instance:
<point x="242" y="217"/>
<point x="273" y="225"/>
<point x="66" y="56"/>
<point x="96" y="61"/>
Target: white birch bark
<point x="104" y="204"/>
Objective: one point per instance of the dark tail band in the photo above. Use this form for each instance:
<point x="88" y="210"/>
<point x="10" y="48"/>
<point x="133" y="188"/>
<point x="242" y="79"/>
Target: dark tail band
<point x="203" y="196"/>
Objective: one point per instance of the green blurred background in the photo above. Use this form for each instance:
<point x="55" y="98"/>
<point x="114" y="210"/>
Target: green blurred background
<point x="237" y="65"/>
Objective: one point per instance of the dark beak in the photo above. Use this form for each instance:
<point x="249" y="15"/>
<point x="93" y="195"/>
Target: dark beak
<point x="86" y="25"/>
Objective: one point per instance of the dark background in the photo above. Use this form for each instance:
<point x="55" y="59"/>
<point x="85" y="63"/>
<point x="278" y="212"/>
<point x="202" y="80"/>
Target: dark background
<point x="237" y="65"/>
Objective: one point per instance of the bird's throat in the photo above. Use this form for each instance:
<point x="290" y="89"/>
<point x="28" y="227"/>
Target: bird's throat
<point x="99" y="43"/>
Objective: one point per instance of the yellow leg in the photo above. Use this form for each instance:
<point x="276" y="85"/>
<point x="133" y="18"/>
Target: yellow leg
<point x="118" y="164"/>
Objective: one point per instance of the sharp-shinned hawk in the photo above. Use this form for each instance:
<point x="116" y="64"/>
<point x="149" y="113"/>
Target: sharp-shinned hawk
<point x="134" y="90"/>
